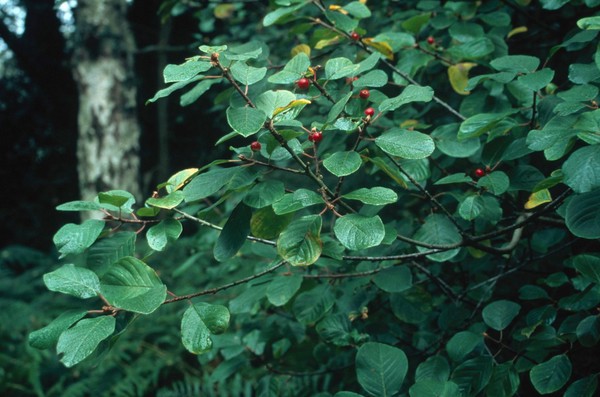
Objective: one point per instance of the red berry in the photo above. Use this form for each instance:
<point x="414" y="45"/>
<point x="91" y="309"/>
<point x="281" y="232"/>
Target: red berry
<point x="315" y="137"/>
<point x="479" y="172"/>
<point x="364" y="94"/>
<point x="430" y="40"/>
<point x="369" y="112"/>
<point x="303" y="83"/>
<point x="354" y="36"/>
<point x="255" y="146"/>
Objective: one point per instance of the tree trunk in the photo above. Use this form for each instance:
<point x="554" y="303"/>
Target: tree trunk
<point x="109" y="132"/>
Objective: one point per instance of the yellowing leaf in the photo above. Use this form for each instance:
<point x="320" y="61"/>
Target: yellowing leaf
<point x="459" y="76"/>
<point x="520" y="29"/>
<point x="301" y="48"/>
<point x="409" y="123"/>
<point x="326" y="42"/>
<point x="179" y="179"/>
<point x="337" y="8"/>
<point x="538" y="198"/>
<point x="293" y="104"/>
<point x="380" y="46"/>
<point x="224" y="11"/>
<point x="477" y="253"/>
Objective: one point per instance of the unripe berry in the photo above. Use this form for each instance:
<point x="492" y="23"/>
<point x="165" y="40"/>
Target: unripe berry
<point x="430" y="40"/>
<point x="354" y="36"/>
<point x="315" y="137"/>
<point x="479" y="172"/>
<point x="303" y="83"/>
<point x="364" y="94"/>
<point x="255" y="146"/>
<point x="369" y="112"/>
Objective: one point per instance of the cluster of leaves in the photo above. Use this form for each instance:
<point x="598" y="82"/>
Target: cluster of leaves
<point x="375" y="260"/>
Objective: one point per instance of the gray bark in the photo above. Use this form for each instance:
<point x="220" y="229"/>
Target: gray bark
<point x="109" y="131"/>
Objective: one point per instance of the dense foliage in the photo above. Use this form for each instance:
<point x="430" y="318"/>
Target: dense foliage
<point x="410" y="208"/>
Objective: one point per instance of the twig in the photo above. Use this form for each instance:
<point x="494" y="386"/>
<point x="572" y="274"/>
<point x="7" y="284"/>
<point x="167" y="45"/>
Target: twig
<point x="212" y="291"/>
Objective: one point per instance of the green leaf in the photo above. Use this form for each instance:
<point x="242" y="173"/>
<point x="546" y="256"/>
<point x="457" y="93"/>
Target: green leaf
<point x="496" y="182"/>
<point x="357" y="10"/>
<point x="292" y="202"/>
<point x="292" y="71"/>
<point x="337" y="68"/>
<point x="208" y="183"/>
<point x="247" y="75"/>
<point x="373" y="196"/>
<point x="504" y="382"/>
<point x="411" y="306"/>
<point x="394" y="279"/>
<point x="166" y="231"/>
<point x="79" y="341"/>
<point x="446" y="141"/>
<point x="77" y="281"/>
<point x="412" y="93"/>
<point x="172" y="88"/>
<point x="585" y="387"/>
<point x="454" y="178"/>
<point x="168" y="202"/>
<point x="462" y="344"/>
<point x="552" y="375"/>
<point x="116" y="200"/>
<point x="473" y="375"/>
<point x="199" y="321"/>
<point x="132" y="285"/>
<point x="357" y="232"/>
<point x="265" y="193"/>
<point x="283" y="288"/>
<point x="268" y="101"/>
<point x="516" y="63"/>
<point x="438" y="230"/>
<point x="279" y="13"/>
<point x="434" y="388"/>
<point x="335" y="329"/>
<point x="479" y="124"/>
<point x="582" y="169"/>
<point x="300" y="243"/>
<point x="46" y="337"/>
<point x="246" y="121"/>
<point x="406" y="144"/>
<point x="583" y="215"/>
<point x="267" y="224"/>
<point x="310" y="306"/>
<point x="185" y="71"/>
<point x="499" y="314"/>
<point x="338" y="107"/>
<point x="79" y="206"/>
<point x="108" y="250"/>
<point x="589" y="23"/>
<point x="434" y="368"/>
<point x="375" y="78"/>
<point x="74" y="239"/>
<point x="588" y="331"/>
<point x="212" y="49"/>
<point x="589" y="266"/>
<point x="199" y="89"/>
<point x="343" y="163"/>
<point x="381" y="369"/>
<point x="583" y="73"/>
<point x="470" y="207"/>
<point x="234" y="233"/>
<point x="474" y="49"/>
<point x="537" y="80"/>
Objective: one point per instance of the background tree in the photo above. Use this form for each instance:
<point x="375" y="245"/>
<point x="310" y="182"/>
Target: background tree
<point x="109" y="132"/>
